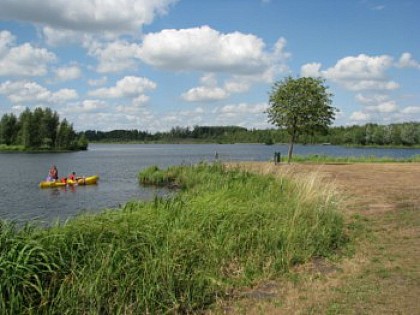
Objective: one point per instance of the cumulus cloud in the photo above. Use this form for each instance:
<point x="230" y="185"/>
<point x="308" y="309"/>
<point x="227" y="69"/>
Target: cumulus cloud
<point x="356" y="73"/>
<point x="407" y="61"/>
<point x="371" y="99"/>
<point x="311" y="70"/>
<point x="210" y="91"/>
<point x="362" y="72"/>
<point x="385" y="107"/>
<point x="22" y="60"/>
<point x="86" y="106"/>
<point x="115" y="56"/>
<point x="205" y="94"/>
<point x="205" y="49"/>
<point x="377" y="103"/>
<point x="32" y="92"/>
<point x="68" y="73"/>
<point x="91" y="16"/>
<point x="128" y="87"/>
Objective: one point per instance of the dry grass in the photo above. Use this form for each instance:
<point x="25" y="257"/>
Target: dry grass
<point x="382" y="276"/>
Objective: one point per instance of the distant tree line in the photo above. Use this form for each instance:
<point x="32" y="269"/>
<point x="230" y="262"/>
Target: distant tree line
<point x="40" y="130"/>
<point x="222" y="134"/>
<point x="402" y="134"/>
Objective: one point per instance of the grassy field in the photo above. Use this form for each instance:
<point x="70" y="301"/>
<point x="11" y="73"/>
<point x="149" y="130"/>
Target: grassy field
<point x="225" y="230"/>
<point x="379" y="274"/>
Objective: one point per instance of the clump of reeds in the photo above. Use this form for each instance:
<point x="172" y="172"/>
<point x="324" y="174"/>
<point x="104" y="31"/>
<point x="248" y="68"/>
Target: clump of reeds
<point x="224" y="229"/>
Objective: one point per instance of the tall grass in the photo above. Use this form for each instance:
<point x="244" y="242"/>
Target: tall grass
<point x="224" y="229"/>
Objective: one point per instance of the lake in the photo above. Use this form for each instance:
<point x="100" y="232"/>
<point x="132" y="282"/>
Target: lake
<point x="118" y="166"/>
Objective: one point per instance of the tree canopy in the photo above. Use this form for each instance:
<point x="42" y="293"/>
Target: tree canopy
<point x="40" y="130"/>
<point x="300" y="106"/>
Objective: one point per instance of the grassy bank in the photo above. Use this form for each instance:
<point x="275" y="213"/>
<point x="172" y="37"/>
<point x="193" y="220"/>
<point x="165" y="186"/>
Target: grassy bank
<point x="21" y="148"/>
<point x="225" y="229"/>
<point x="4" y="147"/>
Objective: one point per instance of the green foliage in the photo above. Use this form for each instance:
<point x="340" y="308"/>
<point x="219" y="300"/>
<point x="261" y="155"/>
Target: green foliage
<point x="225" y="229"/>
<point x="39" y="130"/>
<point x="300" y="106"/>
<point x="8" y="129"/>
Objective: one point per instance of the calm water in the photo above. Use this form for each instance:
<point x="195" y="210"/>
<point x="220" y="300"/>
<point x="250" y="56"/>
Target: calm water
<point x="118" y="166"/>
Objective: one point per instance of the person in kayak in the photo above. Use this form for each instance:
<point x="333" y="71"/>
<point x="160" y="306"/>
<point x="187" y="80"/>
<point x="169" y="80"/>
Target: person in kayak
<point x="52" y="174"/>
<point x="72" y="176"/>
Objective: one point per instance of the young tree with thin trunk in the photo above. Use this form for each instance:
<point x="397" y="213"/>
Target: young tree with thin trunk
<point x="300" y="106"/>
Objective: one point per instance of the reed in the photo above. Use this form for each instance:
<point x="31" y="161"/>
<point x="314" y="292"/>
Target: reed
<point x="223" y="230"/>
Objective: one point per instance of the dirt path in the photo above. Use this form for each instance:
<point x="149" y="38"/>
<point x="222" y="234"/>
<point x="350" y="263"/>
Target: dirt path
<point x="382" y="204"/>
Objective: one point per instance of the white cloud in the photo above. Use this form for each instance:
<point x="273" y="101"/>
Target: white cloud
<point x="92" y="16"/>
<point x="407" y="61"/>
<point x="129" y="86"/>
<point x="311" y="70"/>
<point x="6" y="41"/>
<point x="63" y="95"/>
<point x="377" y="103"/>
<point x="205" y="94"/>
<point x="86" y="106"/>
<point x="29" y="92"/>
<point x="209" y="91"/>
<point x="237" y="85"/>
<point x="22" y="60"/>
<point x="371" y="99"/>
<point x="242" y="114"/>
<point x="359" y="117"/>
<point x="411" y="110"/>
<point x="132" y="109"/>
<point x="98" y="82"/>
<point x="68" y="73"/>
<point x="357" y="73"/>
<point x="362" y="73"/>
<point x="243" y="108"/>
<point x="385" y="107"/>
<point x="115" y="56"/>
<point x="205" y="49"/>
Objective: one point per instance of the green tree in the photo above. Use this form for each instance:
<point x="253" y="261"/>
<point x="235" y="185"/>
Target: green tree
<point x="51" y="122"/>
<point x="408" y="134"/>
<point x="25" y="128"/>
<point x="301" y="106"/>
<point x="82" y="142"/>
<point x="65" y="135"/>
<point x="8" y="129"/>
<point x="38" y="130"/>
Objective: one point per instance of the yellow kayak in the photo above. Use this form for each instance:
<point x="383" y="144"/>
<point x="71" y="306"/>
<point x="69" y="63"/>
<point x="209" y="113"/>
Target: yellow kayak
<point x="91" y="180"/>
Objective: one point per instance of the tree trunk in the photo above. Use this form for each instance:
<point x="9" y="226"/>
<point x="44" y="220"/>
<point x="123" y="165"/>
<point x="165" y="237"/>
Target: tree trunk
<point x="292" y="142"/>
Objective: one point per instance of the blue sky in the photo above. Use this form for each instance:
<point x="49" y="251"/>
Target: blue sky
<point x="156" y="64"/>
